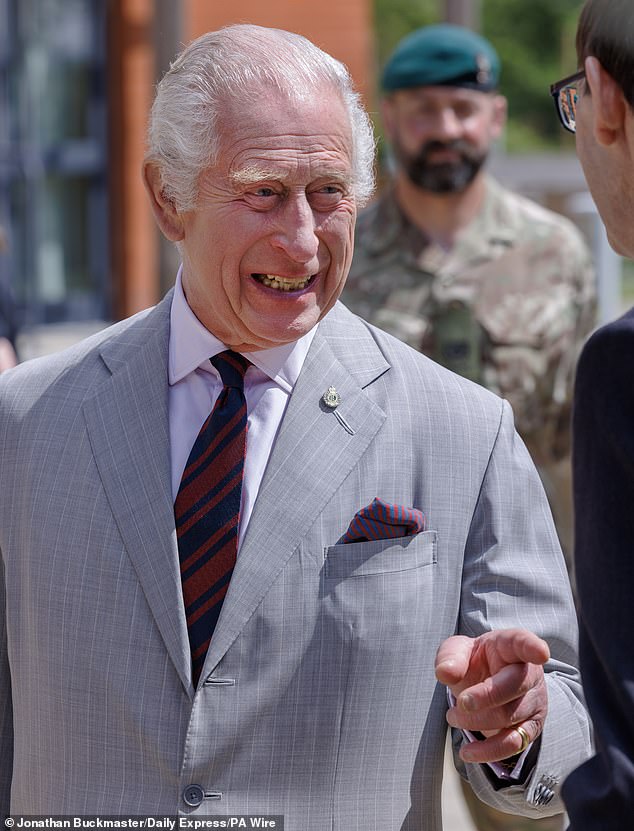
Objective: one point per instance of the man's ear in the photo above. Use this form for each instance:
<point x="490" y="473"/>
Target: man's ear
<point x="498" y="120"/>
<point x="167" y="216"/>
<point x="609" y="107"/>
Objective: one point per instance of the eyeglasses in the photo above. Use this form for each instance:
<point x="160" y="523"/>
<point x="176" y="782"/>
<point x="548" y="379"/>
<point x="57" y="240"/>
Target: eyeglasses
<point x="565" y="95"/>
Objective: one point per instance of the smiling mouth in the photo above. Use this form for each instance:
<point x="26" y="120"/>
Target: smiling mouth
<point x="274" y="281"/>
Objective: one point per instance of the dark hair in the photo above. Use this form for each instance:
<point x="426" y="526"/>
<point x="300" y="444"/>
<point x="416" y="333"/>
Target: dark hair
<point x="606" y="32"/>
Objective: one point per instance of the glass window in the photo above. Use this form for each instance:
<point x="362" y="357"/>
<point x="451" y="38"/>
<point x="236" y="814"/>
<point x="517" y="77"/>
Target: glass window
<point x="53" y="156"/>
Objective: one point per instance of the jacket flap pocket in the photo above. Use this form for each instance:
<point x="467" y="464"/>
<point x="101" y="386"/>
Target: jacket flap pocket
<point x="380" y="556"/>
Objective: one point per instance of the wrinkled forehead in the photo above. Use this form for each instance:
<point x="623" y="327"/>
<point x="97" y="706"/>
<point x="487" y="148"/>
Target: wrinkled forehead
<point x="273" y="120"/>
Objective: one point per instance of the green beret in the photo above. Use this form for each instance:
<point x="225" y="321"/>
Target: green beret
<point x="442" y="55"/>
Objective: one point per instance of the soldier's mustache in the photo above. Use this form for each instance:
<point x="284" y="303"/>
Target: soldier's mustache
<point x="463" y="148"/>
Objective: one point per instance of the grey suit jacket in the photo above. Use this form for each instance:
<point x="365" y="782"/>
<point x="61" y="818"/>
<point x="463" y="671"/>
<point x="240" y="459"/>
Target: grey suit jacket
<point x="318" y="699"/>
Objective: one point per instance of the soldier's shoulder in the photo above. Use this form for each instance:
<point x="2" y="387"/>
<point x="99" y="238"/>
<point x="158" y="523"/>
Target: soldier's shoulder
<point x="371" y="222"/>
<point x="533" y="220"/>
<point x="377" y="233"/>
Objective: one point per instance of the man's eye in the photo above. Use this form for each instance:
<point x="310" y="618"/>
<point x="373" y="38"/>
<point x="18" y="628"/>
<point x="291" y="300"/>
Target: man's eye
<point x="265" y="192"/>
<point x="463" y="110"/>
<point x="330" y="192"/>
<point x="425" y="111"/>
<point x="326" y="197"/>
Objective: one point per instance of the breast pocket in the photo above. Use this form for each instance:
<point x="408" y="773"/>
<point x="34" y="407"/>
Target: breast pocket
<point x="380" y="605"/>
<point x="360" y="559"/>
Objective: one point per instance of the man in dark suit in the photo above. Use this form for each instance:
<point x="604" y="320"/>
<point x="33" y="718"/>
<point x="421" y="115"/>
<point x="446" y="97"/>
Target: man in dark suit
<point x="598" y="103"/>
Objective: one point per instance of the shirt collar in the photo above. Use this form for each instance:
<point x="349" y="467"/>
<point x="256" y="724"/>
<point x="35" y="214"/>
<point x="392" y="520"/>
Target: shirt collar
<point x="191" y="345"/>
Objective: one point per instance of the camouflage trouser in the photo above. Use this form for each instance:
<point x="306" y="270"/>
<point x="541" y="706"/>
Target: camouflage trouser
<point x="488" y="819"/>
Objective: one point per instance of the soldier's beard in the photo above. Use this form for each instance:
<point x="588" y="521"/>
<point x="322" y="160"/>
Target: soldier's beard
<point x="441" y="177"/>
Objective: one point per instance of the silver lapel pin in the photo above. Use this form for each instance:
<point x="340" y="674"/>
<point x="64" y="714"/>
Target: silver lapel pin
<point x="331" y="398"/>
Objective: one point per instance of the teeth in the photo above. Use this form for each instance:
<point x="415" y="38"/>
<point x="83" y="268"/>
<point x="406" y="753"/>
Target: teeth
<point x="274" y="281"/>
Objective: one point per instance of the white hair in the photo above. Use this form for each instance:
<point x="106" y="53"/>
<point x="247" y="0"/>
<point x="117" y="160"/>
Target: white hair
<point x="237" y="62"/>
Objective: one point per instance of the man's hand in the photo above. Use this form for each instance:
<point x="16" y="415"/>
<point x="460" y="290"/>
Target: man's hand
<point x="498" y="682"/>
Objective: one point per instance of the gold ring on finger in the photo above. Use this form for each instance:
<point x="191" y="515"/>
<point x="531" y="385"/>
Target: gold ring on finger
<point x="526" y="739"/>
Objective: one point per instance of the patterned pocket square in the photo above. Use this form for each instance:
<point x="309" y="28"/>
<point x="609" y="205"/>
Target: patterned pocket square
<point x="381" y="521"/>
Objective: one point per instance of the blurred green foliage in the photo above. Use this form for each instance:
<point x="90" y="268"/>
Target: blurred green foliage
<point x="535" y="40"/>
<point x="627" y="284"/>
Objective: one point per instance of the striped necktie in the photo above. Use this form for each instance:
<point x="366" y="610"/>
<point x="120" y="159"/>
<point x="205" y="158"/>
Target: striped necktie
<point x="207" y="507"/>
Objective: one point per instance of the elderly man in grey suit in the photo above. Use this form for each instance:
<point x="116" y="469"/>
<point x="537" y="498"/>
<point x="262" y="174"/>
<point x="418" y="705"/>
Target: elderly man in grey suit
<point x="255" y="552"/>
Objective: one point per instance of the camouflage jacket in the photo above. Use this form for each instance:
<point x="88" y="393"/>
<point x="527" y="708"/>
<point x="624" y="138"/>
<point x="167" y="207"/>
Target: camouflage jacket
<point x="509" y="306"/>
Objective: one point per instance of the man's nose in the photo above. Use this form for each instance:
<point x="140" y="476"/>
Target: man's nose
<point x="296" y="234"/>
<point x="448" y="125"/>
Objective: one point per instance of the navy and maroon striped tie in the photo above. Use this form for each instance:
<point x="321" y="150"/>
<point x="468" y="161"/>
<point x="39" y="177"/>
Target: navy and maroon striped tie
<point x="207" y="507"/>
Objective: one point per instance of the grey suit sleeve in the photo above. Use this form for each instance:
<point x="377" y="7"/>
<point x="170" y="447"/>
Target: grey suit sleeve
<point x="6" y="708"/>
<point x="515" y="576"/>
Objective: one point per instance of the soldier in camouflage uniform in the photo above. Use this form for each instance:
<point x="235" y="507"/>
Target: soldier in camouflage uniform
<point x="484" y="281"/>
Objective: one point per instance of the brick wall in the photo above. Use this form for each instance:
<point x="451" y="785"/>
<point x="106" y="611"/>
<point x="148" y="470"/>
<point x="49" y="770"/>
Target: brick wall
<point x="341" y="27"/>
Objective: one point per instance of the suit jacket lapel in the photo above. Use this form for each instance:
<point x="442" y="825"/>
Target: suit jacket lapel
<point x="312" y="438"/>
<point x="127" y="422"/>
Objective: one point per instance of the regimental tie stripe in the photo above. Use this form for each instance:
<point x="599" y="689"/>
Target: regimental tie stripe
<point x="207" y="507"/>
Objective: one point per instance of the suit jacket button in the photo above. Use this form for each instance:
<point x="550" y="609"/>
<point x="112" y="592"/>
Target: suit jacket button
<point x="193" y="795"/>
